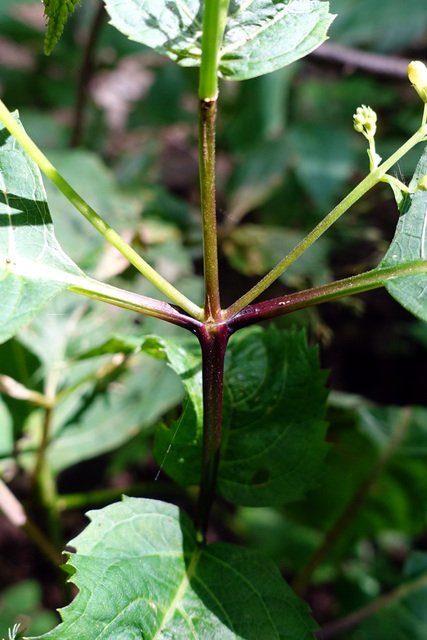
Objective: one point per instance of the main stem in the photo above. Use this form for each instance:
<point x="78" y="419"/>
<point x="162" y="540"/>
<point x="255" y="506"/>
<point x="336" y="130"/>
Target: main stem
<point x="213" y="334"/>
<point x="213" y="341"/>
<point x="207" y="119"/>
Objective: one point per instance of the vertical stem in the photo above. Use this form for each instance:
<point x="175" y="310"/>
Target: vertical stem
<point x="214" y="15"/>
<point x="213" y="342"/>
<point x="44" y="444"/>
<point x="207" y="119"/>
<point x="302" y="580"/>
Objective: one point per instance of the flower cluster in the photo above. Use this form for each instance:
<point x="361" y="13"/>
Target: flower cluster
<point x="365" y="121"/>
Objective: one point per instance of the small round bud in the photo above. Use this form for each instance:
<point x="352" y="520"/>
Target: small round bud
<point x="422" y="185"/>
<point x="417" y="74"/>
<point x="365" y="121"/>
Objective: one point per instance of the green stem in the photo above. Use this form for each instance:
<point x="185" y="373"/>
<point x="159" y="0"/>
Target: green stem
<point x="100" y="225"/>
<point x="41" y="451"/>
<point x="128" y="300"/>
<point x="302" y="580"/>
<point x="371" y="180"/>
<point x="207" y="118"/>
<point x="338" y="627"/>
<point x="214" y="16"/>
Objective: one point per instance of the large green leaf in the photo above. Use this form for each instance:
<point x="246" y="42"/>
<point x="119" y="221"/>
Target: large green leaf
<point x="409" y="245"/>
<point x="260" y="36"/>
<point x="273" y="429"/>
<point x="33" y="267"/>
<point x="142" y="575"/>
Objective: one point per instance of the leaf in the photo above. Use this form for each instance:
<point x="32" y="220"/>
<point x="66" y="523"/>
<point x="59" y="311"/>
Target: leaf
<point x="57" y="12"/>
<point x="103" y="400"/>
<point x="142" y="575"/>
<point x="103" y="421"/>
<point x="273" y="429"/>
<point x="260" y="36"/>
<point x="409" y="245"/>
<point x="33" y="267"/>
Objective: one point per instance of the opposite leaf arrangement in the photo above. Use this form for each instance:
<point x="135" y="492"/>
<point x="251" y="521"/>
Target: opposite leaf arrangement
<point x="253" y="424"/>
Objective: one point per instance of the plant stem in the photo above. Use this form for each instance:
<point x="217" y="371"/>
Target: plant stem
<point x="302" y="580"/>
<point x="15" y="513"/>
<point x="85" y="74"/>
<point x="133" y="301"/>
<point x="337" y="627"/>
<point x="371" y="180"/>
<point x="44" y="443"/>
<point x="213" y="342"/>
<point x="214" y="16"/>
<point x="100" y="225"/>
<point x="207" y="118"/>
<point x="325" y="293"/>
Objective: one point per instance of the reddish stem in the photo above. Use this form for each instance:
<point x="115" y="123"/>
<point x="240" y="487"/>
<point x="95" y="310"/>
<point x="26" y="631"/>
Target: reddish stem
<point x="213" y="341"/>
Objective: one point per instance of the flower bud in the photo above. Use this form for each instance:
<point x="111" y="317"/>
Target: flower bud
<point x="365" y="121"/>
<point x="417" y="74"/>
<point x="422" y="185"/>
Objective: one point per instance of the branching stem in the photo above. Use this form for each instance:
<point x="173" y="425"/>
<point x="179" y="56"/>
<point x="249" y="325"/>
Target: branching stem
<point x="325" y="293"/>
<point x="100" y="225"/>
<point x="363" y="187"/>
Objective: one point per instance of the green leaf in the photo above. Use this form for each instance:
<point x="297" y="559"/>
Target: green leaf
<point x="409" y="246"/>
<point x="273" y="429"/>
<point x="102" y="401"/>
<point x="260" y="36"/>
<point x="142" y="575"/>
<point x="33" y="267"/>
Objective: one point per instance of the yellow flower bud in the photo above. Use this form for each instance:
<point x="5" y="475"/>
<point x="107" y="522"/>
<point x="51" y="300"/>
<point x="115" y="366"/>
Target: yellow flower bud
<point x="422" y="184"/>
<point x="417" y="74"/>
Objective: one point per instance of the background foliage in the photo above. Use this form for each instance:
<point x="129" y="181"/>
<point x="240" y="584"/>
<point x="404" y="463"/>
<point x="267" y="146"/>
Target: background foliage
<point x="286" y="153"/>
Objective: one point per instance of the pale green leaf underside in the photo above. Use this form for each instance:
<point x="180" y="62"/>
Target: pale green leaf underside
<point x="33" y="267"/>
<point x="260" y="35"/>
<point x="273" y="428"/>
<point x="142" y="576"/>
<point x="409" y="245"/>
